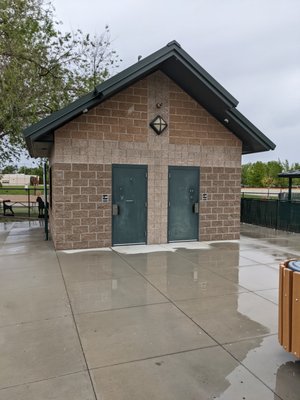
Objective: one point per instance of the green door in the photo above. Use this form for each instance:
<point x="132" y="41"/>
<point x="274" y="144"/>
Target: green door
<point x="183" y="216"/>
<point x="129" y="204"/>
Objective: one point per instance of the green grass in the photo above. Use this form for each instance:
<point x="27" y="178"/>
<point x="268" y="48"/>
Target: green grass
<point x="7" y="190"/>
<point x="21" y="214"/>
<point x="21" y="187"/>
<point x="22" y="211"/>
<point x="261" y="197"/>
<point x="17" y="218"/>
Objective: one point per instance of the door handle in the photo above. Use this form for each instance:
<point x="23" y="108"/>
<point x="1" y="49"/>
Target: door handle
<point x="115" y="209"/>
<point x="196" y="208"/>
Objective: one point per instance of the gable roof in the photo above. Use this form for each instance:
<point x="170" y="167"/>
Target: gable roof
<point x="173" y="61"/>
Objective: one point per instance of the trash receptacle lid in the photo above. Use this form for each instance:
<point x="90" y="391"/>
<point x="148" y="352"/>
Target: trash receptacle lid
<point x="294" y="265"/>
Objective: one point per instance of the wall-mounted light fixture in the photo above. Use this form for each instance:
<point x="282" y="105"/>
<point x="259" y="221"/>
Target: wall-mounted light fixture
<point x="158" y="124"/>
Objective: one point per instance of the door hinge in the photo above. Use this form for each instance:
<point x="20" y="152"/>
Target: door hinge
<point x="145" y="234"/>
<point x="146" y="204"/>
<point x="169" y="204"/>
<point x="146" y="175"/>
<point x="169" y="175"/>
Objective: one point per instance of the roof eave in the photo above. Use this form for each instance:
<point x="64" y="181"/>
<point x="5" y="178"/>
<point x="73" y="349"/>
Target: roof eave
<point x="255" y="141"/>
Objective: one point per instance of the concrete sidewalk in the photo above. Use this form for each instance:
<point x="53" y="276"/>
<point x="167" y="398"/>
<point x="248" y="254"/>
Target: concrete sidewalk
<point x="177" y="321"/>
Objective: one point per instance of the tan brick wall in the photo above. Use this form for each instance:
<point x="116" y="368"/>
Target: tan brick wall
<point x="78" y="218"/>
<point x="191" y="124"/>
<point x="220" y="213"/>
<point x="117" y="131"/>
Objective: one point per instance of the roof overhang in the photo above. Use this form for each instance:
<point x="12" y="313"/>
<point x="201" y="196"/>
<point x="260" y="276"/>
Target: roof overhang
<point x="173" y="61"/>
<point x="290" y="174"/>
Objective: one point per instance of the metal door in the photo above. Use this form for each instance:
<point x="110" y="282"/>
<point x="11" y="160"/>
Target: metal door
<point x="129" y="204"/>
<point x="183" y="215"/>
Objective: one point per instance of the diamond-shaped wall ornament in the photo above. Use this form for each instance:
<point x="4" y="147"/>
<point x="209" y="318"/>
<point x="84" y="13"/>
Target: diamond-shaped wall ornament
<point x="158" y="124"/>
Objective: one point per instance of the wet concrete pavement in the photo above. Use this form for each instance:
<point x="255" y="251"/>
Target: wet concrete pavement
<point x="177" y="321"/>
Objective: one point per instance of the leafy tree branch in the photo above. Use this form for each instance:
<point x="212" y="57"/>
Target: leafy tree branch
<point x="261" y="174"/>
<point x="43" y="69"/>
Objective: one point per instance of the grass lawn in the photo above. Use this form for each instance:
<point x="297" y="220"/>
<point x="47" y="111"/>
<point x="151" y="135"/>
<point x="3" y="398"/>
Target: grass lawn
<point x="16" y="218"/>
<point x="20" y="212"/>
<point x="20" y="189"/>
<point x="261" y="196"/>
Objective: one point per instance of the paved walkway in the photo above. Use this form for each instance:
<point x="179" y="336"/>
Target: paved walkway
<point x="190" y="321"/>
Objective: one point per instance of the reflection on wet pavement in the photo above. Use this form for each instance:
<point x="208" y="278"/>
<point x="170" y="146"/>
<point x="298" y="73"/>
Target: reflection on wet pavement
<point x="175" y="321"/>
<point x="278" y="369"/>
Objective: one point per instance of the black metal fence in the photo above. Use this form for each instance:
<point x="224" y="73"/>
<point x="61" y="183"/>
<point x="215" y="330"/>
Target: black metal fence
<point x="21" y="202"/>
<point x="283" y="215"/>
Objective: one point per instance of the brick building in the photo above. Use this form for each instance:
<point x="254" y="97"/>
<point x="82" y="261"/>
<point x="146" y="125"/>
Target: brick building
<point x="152" y="155"/>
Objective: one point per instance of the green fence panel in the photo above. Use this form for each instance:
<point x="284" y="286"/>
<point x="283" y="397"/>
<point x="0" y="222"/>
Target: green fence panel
<point x="259" y="212"/>
<point x="274" y="214"/>
<point x="289" y="216"/>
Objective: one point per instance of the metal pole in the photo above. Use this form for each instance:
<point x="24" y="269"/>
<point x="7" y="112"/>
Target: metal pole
<point x="277" y="214"/>
<point x="46" y="202"/>
<point x="28" y="201"/>
<point x="290" y="190"/>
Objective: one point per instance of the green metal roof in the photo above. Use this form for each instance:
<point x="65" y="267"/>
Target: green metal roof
<point x="173" y="61"/>
<point x="289" y="174"/>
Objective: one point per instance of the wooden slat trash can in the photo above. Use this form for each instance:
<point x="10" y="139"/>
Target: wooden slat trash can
<point x="289" y="306"/>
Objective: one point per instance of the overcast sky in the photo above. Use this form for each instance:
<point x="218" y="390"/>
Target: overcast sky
<point x="251" y="47"/>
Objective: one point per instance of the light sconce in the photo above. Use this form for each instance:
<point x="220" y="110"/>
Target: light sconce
<point x="158" y="124"/>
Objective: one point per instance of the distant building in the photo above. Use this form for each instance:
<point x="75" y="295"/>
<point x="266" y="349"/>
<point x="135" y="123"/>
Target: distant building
<point x="17" y="179"/>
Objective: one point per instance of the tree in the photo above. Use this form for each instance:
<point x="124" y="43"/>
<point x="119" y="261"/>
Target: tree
<point x="285" y="165"/>
<point x="261" y="174"/>
<point x="256" y="173"/>
<point x="10" y="169"/>
<point x="43" y="69"/>
<point x="273" y="168"/>
<point x="245" y="174"/>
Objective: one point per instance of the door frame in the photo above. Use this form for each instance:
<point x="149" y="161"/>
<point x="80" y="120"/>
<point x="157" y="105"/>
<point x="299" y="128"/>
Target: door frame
<point x="136" y="166"/>
<point x="196" y="168"/>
